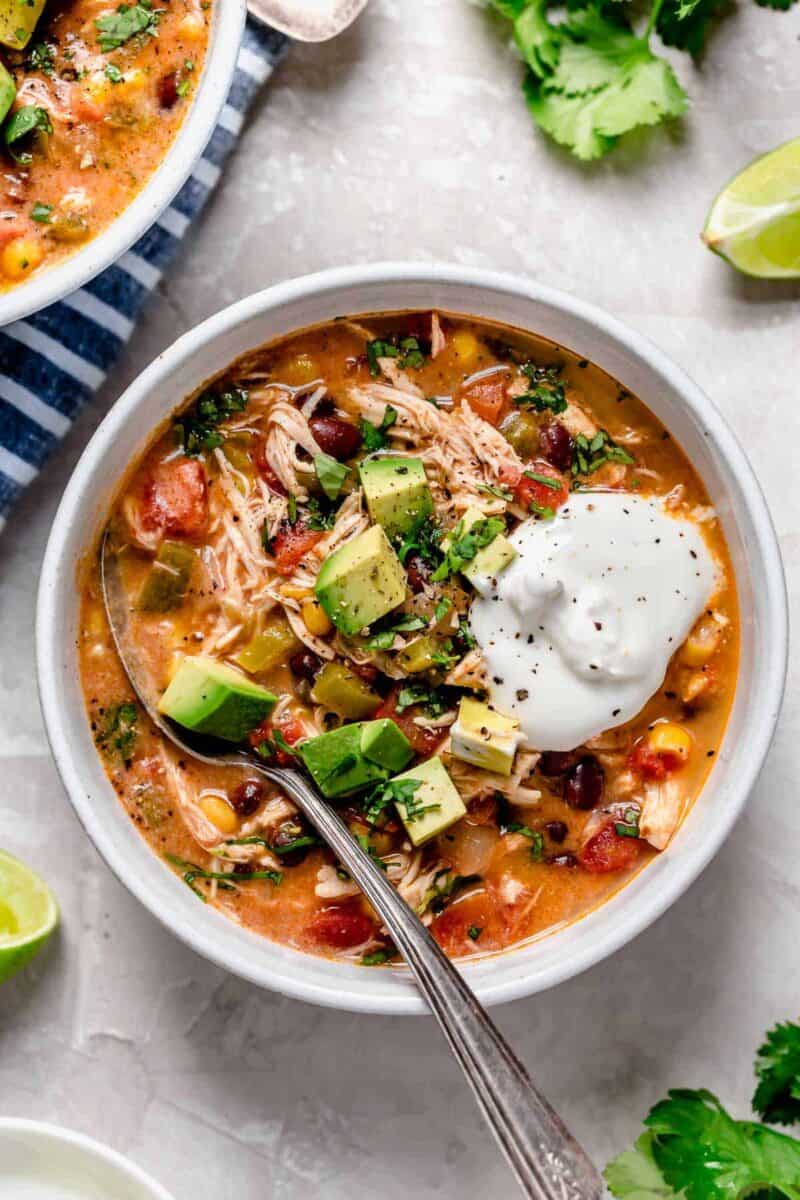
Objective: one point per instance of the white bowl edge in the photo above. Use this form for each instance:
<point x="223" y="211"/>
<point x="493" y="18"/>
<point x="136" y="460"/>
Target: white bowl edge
<point x="640" y="366"/>
<point x="182" y="156"/>
<point x="75" y="1146"/>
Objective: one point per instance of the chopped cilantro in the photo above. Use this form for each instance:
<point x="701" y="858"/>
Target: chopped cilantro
<point x="474" y="932"/>
<point x="198" y="429"/>
<point x="406" y="350"/>
<point x="590" y="454"/>
<point x="424" y="541"/>
<point x="113" y="73"/>
<point x="438" y="896"/>
<point x="127" y="21"/>
<point x="383" y="633"/>
<point x="118" y="733"/>
<point x="384" y="794"/>
<point x="41" y="57"/>
<point x="546" y="480"/>
<point x="442" y="609"/>
<point x="277" y="744"/>
<point x="546" y="393"/>
<point x="535" y="837"/>
<point x="375" y="437"/>
<point x="629" y="825"/>
<point x="434" y="700"/>
<point x="500" y="492"/>
<point x="464" y="545"/>
<point x="377" y="958"/>
<point x="331" y="474"/>
<point x="21" y="126"/>
<point x="41" y="213"/>
<point x="320" y="515"/>
<point x="227" y="879"/>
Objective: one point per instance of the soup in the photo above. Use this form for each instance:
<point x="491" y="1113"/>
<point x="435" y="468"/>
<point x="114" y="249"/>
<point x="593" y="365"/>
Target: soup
<point x="462" y="578"/>
<point x="92" y="98"/>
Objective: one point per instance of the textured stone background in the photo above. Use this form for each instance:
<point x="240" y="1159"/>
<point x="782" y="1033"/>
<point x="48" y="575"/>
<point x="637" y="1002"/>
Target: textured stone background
<point x="407" y="138"/>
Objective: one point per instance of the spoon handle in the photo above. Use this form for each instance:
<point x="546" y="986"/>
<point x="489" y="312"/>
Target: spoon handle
<point x="548" y="1162"/>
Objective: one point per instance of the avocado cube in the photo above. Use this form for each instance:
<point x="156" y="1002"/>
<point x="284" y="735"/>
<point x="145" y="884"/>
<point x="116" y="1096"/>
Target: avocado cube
<point x="434" y="806"/>
<point x="8" y="91"/>
<point x="17" y="22"/>
<point x="484" y="737"/>
<point x="209" y="697"/>
<point x="385" y="743"/>
<point x="361" y="581"/>
<point x="490" y="560"/>
<point x="397" y="493"/>
<point x="335" y="761"/>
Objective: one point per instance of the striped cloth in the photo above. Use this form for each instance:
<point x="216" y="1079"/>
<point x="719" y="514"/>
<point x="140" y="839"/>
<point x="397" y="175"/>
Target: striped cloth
<point x="51" y="363"/>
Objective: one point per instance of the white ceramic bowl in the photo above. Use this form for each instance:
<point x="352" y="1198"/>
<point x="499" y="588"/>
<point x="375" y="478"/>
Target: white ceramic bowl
<point x="48" y="285"/>
<point x="684" y="409"/>
<point x="44" y="1162"/>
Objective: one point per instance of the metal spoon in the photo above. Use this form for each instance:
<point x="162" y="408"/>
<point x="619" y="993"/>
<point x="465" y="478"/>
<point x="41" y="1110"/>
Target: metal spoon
<point x="307" y="20"/>
<point x="548" y="1162"/>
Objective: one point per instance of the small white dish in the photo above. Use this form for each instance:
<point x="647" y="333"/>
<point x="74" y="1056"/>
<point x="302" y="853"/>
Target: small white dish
<point x="45" y="1162"/>
<point x="52" y="284"/>
<point x="673" y="397"/>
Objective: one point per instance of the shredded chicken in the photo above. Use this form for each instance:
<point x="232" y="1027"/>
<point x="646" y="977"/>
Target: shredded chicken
<point x="662" y="810"/>
<point x="438" y="340"/>
<point x="287" y="429"/>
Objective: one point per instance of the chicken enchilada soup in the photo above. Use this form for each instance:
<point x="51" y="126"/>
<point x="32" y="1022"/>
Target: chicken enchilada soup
<point x="460" y="577"/>
<point x="91" y="97"/>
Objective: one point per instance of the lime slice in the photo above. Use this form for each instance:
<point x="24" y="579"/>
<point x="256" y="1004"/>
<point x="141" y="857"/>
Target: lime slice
<point x="28" y="914"/>
<point x="754" y="222"/>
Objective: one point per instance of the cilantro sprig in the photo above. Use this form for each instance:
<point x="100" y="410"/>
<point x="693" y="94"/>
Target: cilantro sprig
<point x="407" y="351"/>
<point x="693" y="1149"/>
<point x="375" y="437"/>
<point x="127" y="21"/>
<point x="465" y="544"/>
<point x="394" y="791"/>
<point x="590" y="454"/>
<point x="592" y="77"/>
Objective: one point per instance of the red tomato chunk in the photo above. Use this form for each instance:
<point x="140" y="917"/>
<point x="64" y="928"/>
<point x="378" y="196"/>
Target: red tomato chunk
<point x="606" y="851"/>
<point x="340" y="928"/>
<point x="291" y="544"/>
<point x="175" y="498"/>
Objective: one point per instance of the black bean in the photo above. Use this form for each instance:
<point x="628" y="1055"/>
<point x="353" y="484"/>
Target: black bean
<point x="556" y="762"/>
<point x="247" y="797"/>
<point x="556" y="831"/>
<point x="304" y="664"/>
<point x="556" y="445"/>
<point x="584" y="784"/>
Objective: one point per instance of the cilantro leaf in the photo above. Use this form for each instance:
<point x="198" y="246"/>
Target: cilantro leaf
<point x="118" y="732"/>
<point x="590" y="454"/>
<point x="634" y="1175"/>
<point x="777" y="1097"/>
<point x="331" y="474"/>
<point x="391" y="792"/>
<point x="704" y="1153"/>
<point x="118" y="27"/>
<point x="197" y="430"/>
<point x="406" y="350"/>
<point x="21" y="126"/>
<point x="685" y="25"/>
<point x="464" y="545"/>
<point x="375" y="436"/>
<point x="537" y="39"/>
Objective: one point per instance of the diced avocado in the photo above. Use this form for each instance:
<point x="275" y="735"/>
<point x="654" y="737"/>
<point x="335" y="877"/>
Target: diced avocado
<point x="385" y="743"/>
<point x="397" y="493"/>
<point x="8" y="91"/>
<point x="484" y="737"/>
<point x="490" y="560"/>
<point x="360" y="582"/>
<point x="336" y="763"/>
<point x="344" y="692"/>
<point x="168" y="578"/>
<point x="209" y="697"/>
<point x="17" y="22"/>
<point x="269" y="648"/>
<point x="434" y="806"/>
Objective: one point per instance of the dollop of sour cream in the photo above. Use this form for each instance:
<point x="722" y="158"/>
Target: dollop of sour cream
<point x="577" y="632"/>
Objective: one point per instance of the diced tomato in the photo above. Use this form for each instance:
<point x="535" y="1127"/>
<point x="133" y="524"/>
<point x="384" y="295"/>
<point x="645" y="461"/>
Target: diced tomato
<point x="265" y="470"/>
<point x="487" y="397"/>
<point x="476" y="913"/>
<point x="529" y="491"/>
<point x="290" y="728"/>
<point x="291" y="544"/>
<point x="341" y="927"/>
<point x="10" y="229"/>
<point x="606" y="851"/>
<point x="647" y="763"/>
<point x="423" y="740"/>
<point x="175" y="498"/>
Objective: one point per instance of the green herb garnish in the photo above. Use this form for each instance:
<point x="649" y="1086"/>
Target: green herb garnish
<point x="375" y="437"/>
<point x="331" y="474"/>
<point x="126" y="22"/>
<point x="21" y="126"/>
<point x="442" y="609"/>
<point x="320" y="515"/>
<point x="437" y="897"/>
<point x="383" y="638"/>
<point x="227" y="879"/>
<point x="590" y="454"/>
<point x="197" y="430"/>
<point x="118" y="734"/>
<point x="464" y="545"/>
<point x="474" y="932"/>
<point x="394" y="791"/>
<point x="406" y="350"/>
<point x="113" y="73"/>
<point x="377" y="958"/>
<point x="546" y="480"/>
<point x="424" y="541"/>
<point x="41" y="57"/>
<point x="546" y="393"/>
<point x="499" y="492"/>
<point x="41" y="213"/>
<point x="629" y="825"/>
<point x="777" y="1097"/>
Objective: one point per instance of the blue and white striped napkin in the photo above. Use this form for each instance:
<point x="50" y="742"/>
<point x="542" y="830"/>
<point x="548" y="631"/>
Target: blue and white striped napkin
<point x="51" y="363"/>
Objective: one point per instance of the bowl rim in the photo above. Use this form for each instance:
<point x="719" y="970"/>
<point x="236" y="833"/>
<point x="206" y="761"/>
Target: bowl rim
<point x="773" y="663"/>
<point x="182" y="156"/>
<point x="99" y="1151"/>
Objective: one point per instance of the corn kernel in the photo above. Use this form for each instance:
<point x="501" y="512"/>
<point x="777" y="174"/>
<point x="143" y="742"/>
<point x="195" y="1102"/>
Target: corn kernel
<point x="669" y="738"/>
<point x="293" y="592"/>
<point x="219" y="813"/>
<point x="702" y="643"/>
<point x="466" y="348"/>
<point x="21" y="256"/>
<point x="315" y="618"/>
<point x="191" y="28"/>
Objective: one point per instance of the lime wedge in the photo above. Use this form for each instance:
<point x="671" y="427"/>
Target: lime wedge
<point x="28" y="914"/>
<point x="754" y="222"/>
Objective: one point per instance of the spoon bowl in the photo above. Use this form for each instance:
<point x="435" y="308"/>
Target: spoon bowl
<point x="307" y="20"/>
